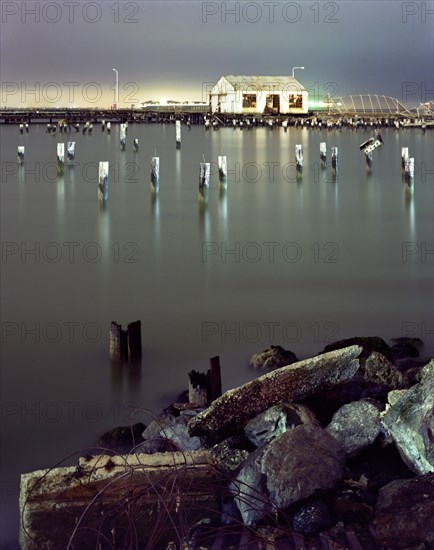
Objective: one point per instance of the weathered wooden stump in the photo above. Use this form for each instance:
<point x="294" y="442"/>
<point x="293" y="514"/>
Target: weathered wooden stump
<point x="126" y="345"/>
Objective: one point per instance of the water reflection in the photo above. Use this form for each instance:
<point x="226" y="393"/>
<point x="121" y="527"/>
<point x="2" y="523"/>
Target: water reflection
<point x="410" y="209"/>
<point x="204" y="219"/>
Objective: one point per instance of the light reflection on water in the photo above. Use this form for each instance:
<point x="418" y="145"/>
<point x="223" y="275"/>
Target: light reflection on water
<point x="177" y="292"/>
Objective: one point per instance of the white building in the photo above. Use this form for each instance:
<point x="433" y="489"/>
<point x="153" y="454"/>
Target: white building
<point x="239" y="94"/>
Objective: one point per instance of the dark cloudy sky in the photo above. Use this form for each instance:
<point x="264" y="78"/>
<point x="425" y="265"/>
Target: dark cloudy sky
<point x="174" y="49"/>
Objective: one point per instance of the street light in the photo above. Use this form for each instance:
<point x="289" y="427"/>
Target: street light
<point x="293" y="69"/>
<point x="116" y="88"/>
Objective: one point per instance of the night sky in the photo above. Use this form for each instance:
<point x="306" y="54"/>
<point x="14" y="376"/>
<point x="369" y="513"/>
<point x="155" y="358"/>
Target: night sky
<point x="176" y="49"/>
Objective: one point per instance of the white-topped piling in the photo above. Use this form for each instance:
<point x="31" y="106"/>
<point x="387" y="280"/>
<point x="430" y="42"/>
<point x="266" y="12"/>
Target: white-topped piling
<point x="108" y="127"/>
<point x="404" y="156"/>
<point x="204" y="173"/>
<point x="21" y="128"/>
<point x="178" y="133"/>
<point x="123" y="136"/>
<point x="299" y="157"/>
<point x="20" y="154"/>
<point x="409" y="170"/>
<point x="60" y="157"/>
<point x="136" y="144"/>
<point x="155" y="174"/>
<point x="103" y="173"/>
<point x="223" y="168"/>
<point x="70" y="150"/>
<point x="323" y="153"/>
<point x="27" y="127"/>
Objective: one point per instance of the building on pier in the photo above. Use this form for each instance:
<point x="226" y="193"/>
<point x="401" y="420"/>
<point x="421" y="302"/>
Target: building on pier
<point x="267" y="95"/>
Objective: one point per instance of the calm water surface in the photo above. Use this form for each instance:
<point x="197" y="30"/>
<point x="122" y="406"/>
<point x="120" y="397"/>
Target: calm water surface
<point x="273" y="259"/>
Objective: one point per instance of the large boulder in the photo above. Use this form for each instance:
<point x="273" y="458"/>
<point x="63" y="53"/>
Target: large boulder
<point x="379" y="369"/>
<point x="404" y="514"/>
<point x="169" y="430"/>
<point x="356" y="425"/>
<point x="410" y="423"/>
<point x="231" y="412"/>
<point x="292" y="467"/>
<point x="276" y="420"/>
<point x="273" y="357"/>
<point x="368" y="344"/>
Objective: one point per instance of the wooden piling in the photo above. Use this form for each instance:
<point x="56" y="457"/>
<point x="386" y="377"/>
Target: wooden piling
<point x="103" y="182"/>
<point x="60" y="157"/>
<point x="178" y="133"/>
<point x="136" y="144"/>
<point x="323" y="153"/>
<point x="204" y="173"/>
<point x="335" y="157"/>
<point x="198" y="388"/>
<point x="20" y="154"/>
<point x="299" y="157"/>
<point x="215" y="378"/>
<point x="155" y="174"/>
<point x="134" y="335"/>
<point x="70" y="150"/>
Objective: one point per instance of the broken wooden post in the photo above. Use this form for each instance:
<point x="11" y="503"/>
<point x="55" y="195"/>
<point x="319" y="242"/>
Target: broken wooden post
<point x="20" y="154"/>
<point x="369" y="146"/>
<point x="90" y="128"/>
<point x="204" y="173"/>
<point x="215" y="378"/>
<point x="126" y="345"/>
<point x="60" y="157"/>
<point x="102" y="125"/>
<point x="285" y="125"/>
<point x="155" y="174"/>
<point x="86" y="127"/>
<point x="103" y="183"/>
<point x="134" y="334"/>
<point x="109" y="127"/>
<point x="115" y="342"/>
<point x="323" y="154"/>
<point x="136" y="144"/>
<point x="70" y="150"/>
<point x="198" y="388"/>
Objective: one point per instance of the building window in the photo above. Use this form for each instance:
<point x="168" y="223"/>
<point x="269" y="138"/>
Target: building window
<point x="295" y="101"/>
<point x="249" y="101"/>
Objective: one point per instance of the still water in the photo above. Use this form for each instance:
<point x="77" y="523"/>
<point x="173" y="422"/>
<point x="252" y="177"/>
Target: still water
<point x="273" y="259"/>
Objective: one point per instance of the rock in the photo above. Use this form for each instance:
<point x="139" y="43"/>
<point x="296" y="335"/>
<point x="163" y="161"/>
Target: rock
<point x="402" y="350"/>
<point x="379" y="369"/>
<point x="273" y="357"/>
<point x="172" y="428"/>
<point x="291" y="467"/>
<point x="166" y="418"/>
<point x="356" y="425"/>
<point x="328" y="401"/>
<point x="410" y="423"/>
<point x="312" y="518"/>
<point x="394" y="395"/>
<point x="123" y="438"/>
<point x="230" y="412"/>
<point x="368" y="344"/>
<point x="404" y="514"/>
<point x="232" y="452"/>
<point x="276" y="420"/>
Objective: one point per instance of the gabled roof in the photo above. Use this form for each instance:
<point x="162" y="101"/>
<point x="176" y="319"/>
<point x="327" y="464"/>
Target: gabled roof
<point x="243" y="82"/>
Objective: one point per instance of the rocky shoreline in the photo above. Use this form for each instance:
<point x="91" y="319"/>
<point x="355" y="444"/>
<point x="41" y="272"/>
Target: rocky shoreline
<point x="337" y="449"/>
